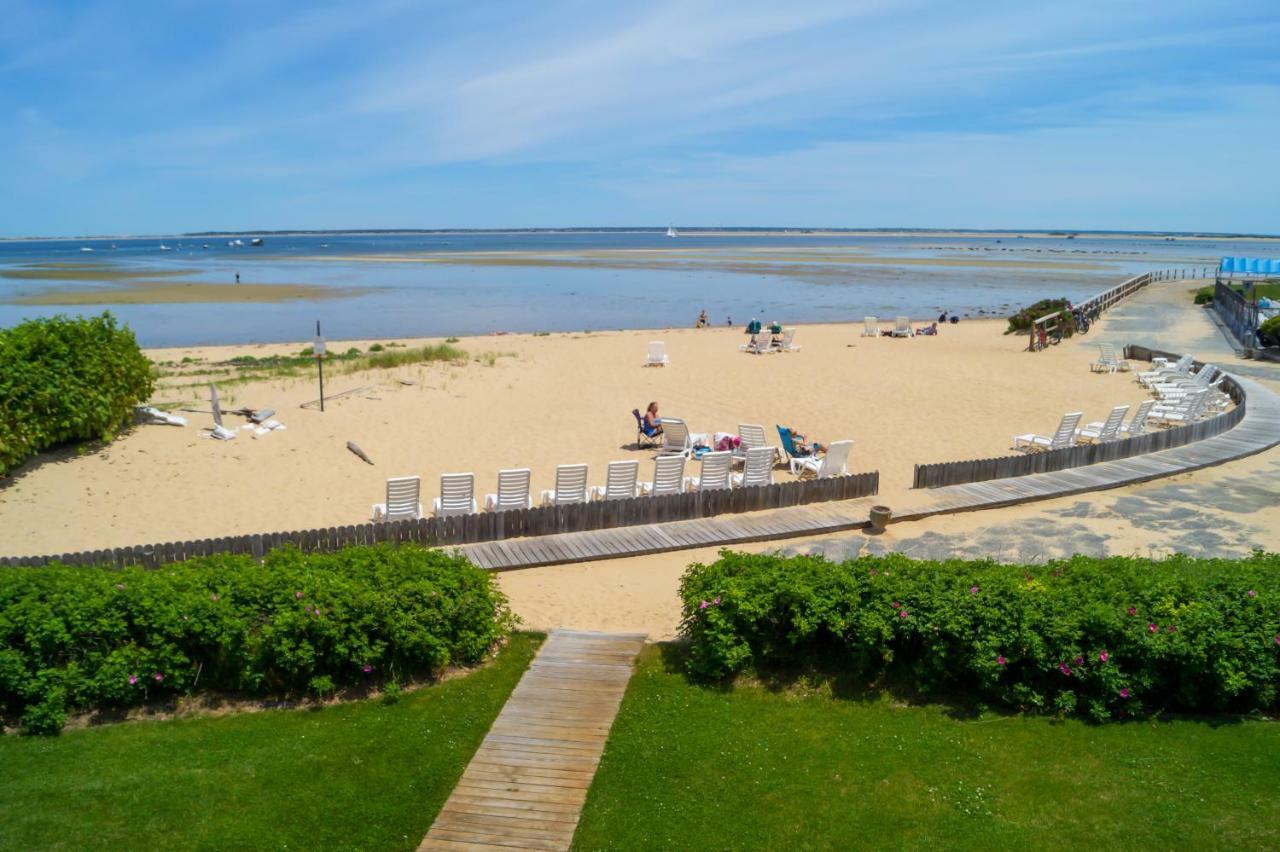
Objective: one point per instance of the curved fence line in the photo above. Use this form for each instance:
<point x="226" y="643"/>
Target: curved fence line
<point x="486" y="526"/>
<point x="941" y="474"/>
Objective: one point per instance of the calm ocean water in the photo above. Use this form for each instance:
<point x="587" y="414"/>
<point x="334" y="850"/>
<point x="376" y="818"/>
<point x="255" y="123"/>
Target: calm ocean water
<point x="413" y="299"/>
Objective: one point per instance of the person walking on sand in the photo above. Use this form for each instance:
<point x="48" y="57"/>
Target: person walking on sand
<point x="237" y="277"/>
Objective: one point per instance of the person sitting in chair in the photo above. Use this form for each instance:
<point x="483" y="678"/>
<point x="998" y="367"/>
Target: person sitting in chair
<point x="802" y="445"/>
<point x="775" y="332"/>
<point x="652" y="423"/>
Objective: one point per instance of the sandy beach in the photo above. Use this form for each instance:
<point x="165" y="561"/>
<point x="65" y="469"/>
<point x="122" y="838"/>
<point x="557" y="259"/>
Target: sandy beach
<point x="535" y="401"/>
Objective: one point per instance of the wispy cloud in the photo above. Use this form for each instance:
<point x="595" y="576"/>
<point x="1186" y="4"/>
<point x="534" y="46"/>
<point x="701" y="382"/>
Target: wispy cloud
<point x="571" y="112"/>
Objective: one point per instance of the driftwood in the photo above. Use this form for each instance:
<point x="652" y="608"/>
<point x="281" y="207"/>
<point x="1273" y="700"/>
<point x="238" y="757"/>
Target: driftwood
<point x="351" y="445"/>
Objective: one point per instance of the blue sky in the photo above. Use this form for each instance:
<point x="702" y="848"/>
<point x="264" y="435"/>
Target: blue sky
<point x="162" y="117"/>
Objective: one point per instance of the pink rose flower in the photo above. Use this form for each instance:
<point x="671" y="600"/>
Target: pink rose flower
<point x="1124" y="692"/>
<point x="1104" y="656"/>
<point x="368" y="669"/>
<point x="159" y="677"/>
<point x="1152" y="628"/>
<point x="1252" y="593"/>
<point x="297" y="596"/>
<point x="973" y="590"/>
<point x="1000" y="659"/>
<point x="902" y="613"/>
<point x="1133" y="610"/>
<point x="133" y="679"/>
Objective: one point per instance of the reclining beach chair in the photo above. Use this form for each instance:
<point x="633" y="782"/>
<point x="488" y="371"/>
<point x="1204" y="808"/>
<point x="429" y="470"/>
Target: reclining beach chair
<point x="714" y="472"/>
<point x="785" y="344"/>
<point x="870" y="327"/>
<point x="513" y="491"/>
<point x="402" y="500"/>
<point x="620" y="482"/>
<point x="1189" y="410"/>
<point x="675" y="437"/>
<point x="1137" y="424"/>
<point x="644" y="438"/>
<point x="1108" y="361"/>
<point x="1180" y="369"/>
<point x="834" y="462"/>
<point x="789" y="449"/>
<point x="757" y="345"/>
<point x="1203" y="378"/>
<point x="750" y="436"/>
<point x="1063" y="436"/>
<point x="1104" y="430"/>
<point x="668" y="477"/>
<point x="902" y="328"/>
<point x="571" y="486"/>
<point x="457" y="495"/>
<point x="758" y="468"/>
<point x="657" y="354"/>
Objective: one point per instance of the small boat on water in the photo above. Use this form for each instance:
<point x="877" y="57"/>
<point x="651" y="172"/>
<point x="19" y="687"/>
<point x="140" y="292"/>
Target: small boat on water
<point x="671" y="232"/>
<point x="256" y="241"/>
<point x="235" y="243"/>
<point x="85" y="248"/>
<point x="164" y="247"/>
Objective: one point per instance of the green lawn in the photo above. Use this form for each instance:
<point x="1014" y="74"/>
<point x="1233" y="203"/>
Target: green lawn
<point x="694" y="768"/>
<point x="359" y="775"/>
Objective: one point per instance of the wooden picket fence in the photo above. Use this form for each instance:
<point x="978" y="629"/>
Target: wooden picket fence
<point x="981" y="470"/>
<point x="486" y="526"/>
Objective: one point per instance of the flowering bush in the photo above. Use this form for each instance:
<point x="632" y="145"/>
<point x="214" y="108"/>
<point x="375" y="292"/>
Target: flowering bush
<point x="64" y="379"/>
<point x="1100" y="638"/>
<point x="74" y="638"/>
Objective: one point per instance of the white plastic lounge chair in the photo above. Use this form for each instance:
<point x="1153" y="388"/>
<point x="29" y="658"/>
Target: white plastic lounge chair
<point x="1189" y="410"/>
<point x="757" y="345"/>
<point x="571" y="486"/>
<point x="786" y="345"/>
<point x="1108" y="361"/>
<point x="758" y="469"/>
<point x="1063" y="436"/>
<point x="902" y="328"/>
<point x="714" y="473"/>
<point x="835" y="462"/>
<point x="620" y="482"/>
<point x="657" y="354"/>
<point x="1105" y="430"/>
<point x="155" y="415"/>
<point x="1137" y="424"/>
<point x="1181" y="368"/>
<point x="668" y="476"/>
<point x="675" y="437"/>
<point x="870" y="327"/>
<point x="513" y="491"/>
<point x="457" y="495"/>
<point x="752" y="435"/>
<point x="402" y="500"/>
<point x="1204" y="378"/>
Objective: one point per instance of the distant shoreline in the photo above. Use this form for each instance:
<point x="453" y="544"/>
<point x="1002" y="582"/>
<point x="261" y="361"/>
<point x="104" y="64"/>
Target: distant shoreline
<point x="900" y="233"/>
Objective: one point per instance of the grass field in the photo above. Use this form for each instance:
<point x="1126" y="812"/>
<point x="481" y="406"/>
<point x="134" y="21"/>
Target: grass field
<point x="362" y="775"/>
<point x="695" y="768"/>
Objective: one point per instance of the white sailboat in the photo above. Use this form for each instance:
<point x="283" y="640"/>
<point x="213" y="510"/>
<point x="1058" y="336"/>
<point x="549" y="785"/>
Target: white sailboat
<point x="671" y="232"/>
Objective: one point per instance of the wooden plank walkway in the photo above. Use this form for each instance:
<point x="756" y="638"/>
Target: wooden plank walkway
<point x="527" y="783"/>
<point x="1259" y="430"/>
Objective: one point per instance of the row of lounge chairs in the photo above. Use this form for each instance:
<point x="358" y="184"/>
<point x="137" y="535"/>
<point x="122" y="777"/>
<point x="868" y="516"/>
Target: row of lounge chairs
<point x="1179" y="397"/>
<point x="763" y="344"/>
<point x="901" y="327"/>
<point x="457" y="490"/>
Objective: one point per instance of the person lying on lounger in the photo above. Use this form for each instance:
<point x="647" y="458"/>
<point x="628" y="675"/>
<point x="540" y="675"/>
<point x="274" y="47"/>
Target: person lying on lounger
<point x="928" y="329"/>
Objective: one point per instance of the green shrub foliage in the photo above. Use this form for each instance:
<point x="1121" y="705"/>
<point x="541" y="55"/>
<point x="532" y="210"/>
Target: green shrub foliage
<point x="1022" y="320"/>
<point x="76" y="638"/>
<point x="65" y="379"/>
<point x="1100" y="638"/>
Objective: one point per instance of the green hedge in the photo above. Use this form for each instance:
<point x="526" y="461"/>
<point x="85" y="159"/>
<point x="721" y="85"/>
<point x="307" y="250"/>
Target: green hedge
<point x="1100" y="638"/>
<point x="1022" y="320"/>
<point x="65" y="379"/>
<point x="76" y="638"/>
<point x="1269" y="332"/>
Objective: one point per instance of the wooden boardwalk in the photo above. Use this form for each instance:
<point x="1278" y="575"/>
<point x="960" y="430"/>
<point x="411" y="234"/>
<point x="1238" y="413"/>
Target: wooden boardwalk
<point x="1257" y="431"/>
<point x="525" y="786"/>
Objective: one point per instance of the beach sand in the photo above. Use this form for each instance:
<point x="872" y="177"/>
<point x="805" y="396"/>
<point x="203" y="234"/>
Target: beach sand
<point x="538" y="401"/>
